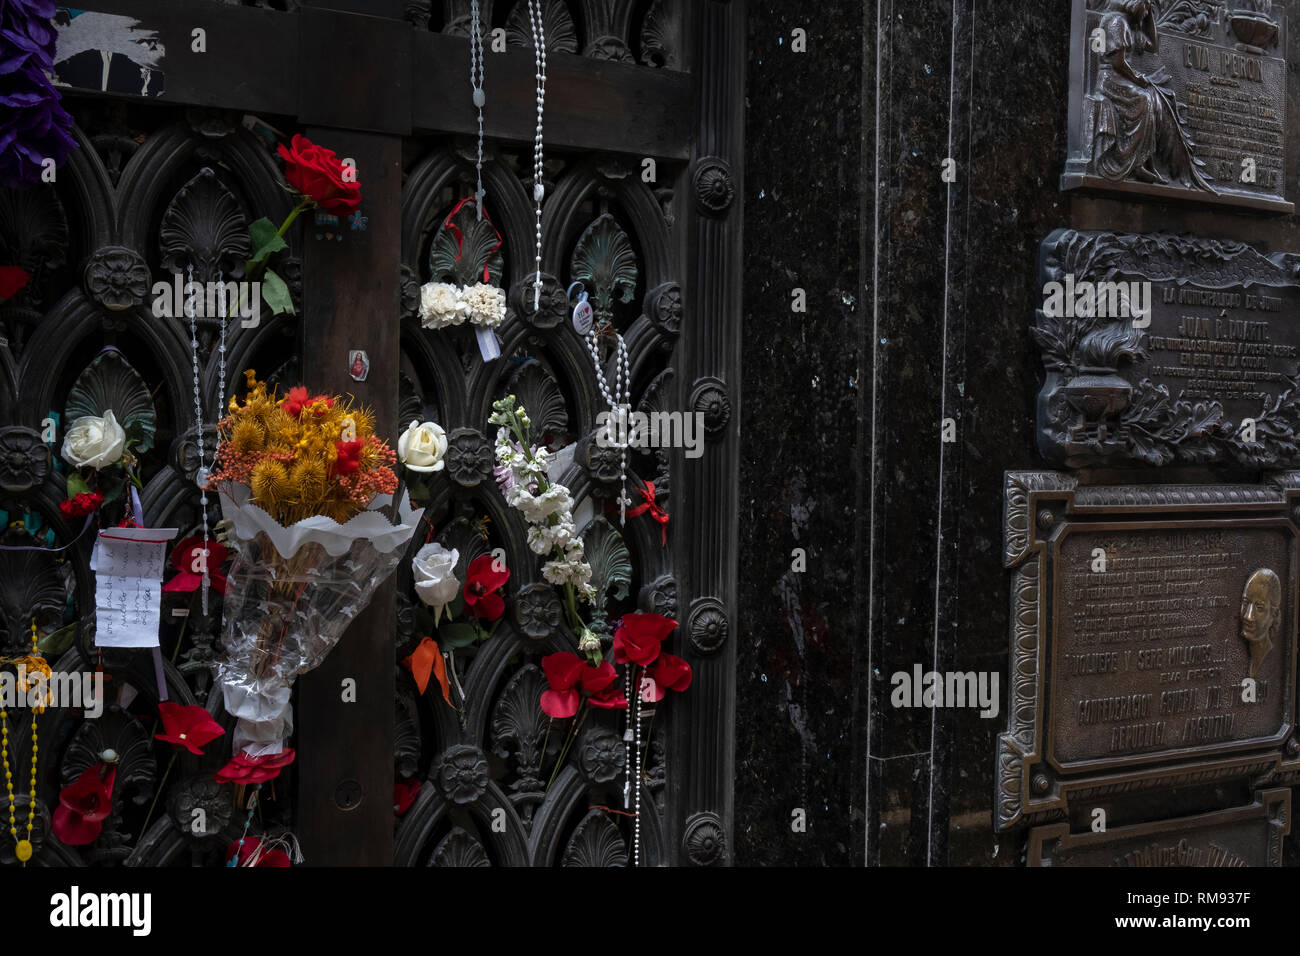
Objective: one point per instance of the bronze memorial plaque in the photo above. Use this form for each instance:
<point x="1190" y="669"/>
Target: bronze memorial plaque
<point x="1242" y="836"/>
<point x="1153" y="638"/>
<point x="1184" y="100"/>
<point x="1165" y="350"/>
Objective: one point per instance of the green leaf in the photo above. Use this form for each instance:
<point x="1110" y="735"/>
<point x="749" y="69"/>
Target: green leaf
<point x="265" y="239"/>
<point x="457" y="607"/>
<point x="457" y="635"/>
<point x="112" y="484"/>
<point x="57" y="642"/>
<point x="76" y="485"/>
<point x="276" y="293"/>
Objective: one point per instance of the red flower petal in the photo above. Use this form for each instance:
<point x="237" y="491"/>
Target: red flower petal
<point x="644" y="626"/>
<point x="189" y="726"/>
<point x="483" y="574"/>
<point x="596" y="679"/>
<point x="638" y="649"/>
<point x="273" y="858"/>
<point x="562" y="670"/>
<point x="404" y="794"/>
<point x="488" y="607"/>
<point x="671" y="672"/>
<point x="651" y="690"/>
<point x="73" y="829"/>
<point x="611" y="699"/>
<point x="12" y="280"/>
<point x="560" y="703"/>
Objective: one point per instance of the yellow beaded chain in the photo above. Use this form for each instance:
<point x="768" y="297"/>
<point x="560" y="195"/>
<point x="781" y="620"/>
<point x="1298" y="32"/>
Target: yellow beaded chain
<point x="23" y="849"/>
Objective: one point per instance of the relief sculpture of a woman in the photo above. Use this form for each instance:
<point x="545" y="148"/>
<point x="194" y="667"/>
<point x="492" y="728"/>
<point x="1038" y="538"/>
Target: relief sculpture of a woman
<point x="1138" y="133"/>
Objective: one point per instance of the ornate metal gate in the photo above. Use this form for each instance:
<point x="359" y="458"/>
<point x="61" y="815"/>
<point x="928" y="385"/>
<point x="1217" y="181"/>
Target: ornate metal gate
<point x="643" y="130"/>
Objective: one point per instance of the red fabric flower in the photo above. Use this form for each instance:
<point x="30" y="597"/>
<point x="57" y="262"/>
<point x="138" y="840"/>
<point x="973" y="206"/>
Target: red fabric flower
<point x="189" y="726"/>
<point x="83" y="807"/>
<point x="639" y="637"/>
<point x="293" y="402"/>
<point x="570" y="677"/>
<point x="481" y="583"/>
<point x="86" y="503"/>
<point x="349" y="457"/>
<point x="609" y="699"/>
<point x="563" y="671"/>
<point x="269" y="858"/>
<point x="316" y="172"/>
<point x="12" y="281"/>
<point x="668" y="673"/>
<point x="404" y="794"/>
<point x="187" y="558"/>
<point x="244" y="769"/>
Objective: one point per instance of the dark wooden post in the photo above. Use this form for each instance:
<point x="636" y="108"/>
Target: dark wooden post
<point x="350" y="290"/>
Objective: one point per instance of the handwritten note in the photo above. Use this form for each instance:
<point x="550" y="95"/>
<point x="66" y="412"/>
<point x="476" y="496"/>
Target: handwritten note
<point x="128" y="566"/>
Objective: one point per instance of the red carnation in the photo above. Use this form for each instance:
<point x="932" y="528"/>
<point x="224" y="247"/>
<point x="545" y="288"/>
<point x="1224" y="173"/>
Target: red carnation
<point x="249" y="847"/>
<point x="244" y="769"/>
<point x="12" y="281"/>
<point x="317" y="173"/>
<point x="481" y="583"/>
<point x="86" y="503"/>
<point x="349" y="457"/>
<point x="189" y="726"/>
<point x="187" y="558"/>
<point x="639" y="637"/>
<point x="84" y="805"/>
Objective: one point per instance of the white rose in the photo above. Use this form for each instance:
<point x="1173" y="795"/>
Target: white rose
<point x="435" y="580"/>
<point x="486" y="304"/>
<point x="94" y="442"/>
<point x="440" y="305"/>
<point x="422" y="446"/>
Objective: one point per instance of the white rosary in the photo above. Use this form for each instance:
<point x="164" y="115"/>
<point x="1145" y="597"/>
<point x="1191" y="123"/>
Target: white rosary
<point x="476" y="84"/>
<point x="619" y="401"/>
<point x="201" y="476"/>
<point x="539" y="190"/>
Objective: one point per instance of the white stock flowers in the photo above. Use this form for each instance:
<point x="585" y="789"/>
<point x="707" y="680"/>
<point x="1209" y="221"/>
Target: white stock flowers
<point x="443" y="304"/>
<point x="547" y="505"/>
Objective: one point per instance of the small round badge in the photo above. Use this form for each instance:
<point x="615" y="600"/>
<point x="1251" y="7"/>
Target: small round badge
<point x="582" y="316"/>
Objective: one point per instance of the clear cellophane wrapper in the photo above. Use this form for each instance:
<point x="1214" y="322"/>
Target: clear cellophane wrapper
<point x="291" y="594"/>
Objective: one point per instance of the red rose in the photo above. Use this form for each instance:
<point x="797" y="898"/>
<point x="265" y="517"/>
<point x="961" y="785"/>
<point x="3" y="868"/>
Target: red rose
<point x="404" y="794"/>
<point x="86" y="503"/>
<point x="317" y="173"/>
<point x="481" y="583"/>
<point x="566" y="673"/>
<point x="639" y="636"/>
<point x="12" y="280"/>
<point x="349" y="458"/>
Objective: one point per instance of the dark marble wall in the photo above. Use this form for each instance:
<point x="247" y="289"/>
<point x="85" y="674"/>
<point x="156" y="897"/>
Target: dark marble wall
<point x="920" y="294"/>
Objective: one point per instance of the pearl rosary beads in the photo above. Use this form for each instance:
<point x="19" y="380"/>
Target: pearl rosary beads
<point x="539" y="190"/>
<point x="476" y="84"/>
<point x="619" y="402"/>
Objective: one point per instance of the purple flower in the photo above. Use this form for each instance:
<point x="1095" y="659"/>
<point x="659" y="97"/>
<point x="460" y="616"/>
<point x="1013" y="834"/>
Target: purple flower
<point x="34" y="125"/>
<point x="504" y="476"/>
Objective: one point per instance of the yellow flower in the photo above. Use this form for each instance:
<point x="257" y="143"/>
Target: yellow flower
<point x="270" y="484"/>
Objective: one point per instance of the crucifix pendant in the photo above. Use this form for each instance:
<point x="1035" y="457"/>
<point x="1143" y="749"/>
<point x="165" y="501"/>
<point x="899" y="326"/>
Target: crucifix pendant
<point x="623" y="502"/>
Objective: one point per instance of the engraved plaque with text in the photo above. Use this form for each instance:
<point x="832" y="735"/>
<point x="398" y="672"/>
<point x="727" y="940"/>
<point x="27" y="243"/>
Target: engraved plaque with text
<point x="1184" y="100"/>
<point x="1153" y="638"/>
<point x="1167" y="350"/>
<point x="1225" y="839"/>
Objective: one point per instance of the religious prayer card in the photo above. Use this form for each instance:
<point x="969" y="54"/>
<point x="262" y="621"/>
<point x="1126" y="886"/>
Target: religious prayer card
<point x="128" y="566"/>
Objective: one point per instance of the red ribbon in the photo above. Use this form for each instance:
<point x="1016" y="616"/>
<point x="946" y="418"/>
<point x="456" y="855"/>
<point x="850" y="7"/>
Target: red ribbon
<point x="460" y="238"/>
<point x="657" y="513"/>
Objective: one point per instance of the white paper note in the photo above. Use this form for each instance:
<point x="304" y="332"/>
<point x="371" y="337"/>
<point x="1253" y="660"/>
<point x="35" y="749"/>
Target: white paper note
<point x="128" y="566"/>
